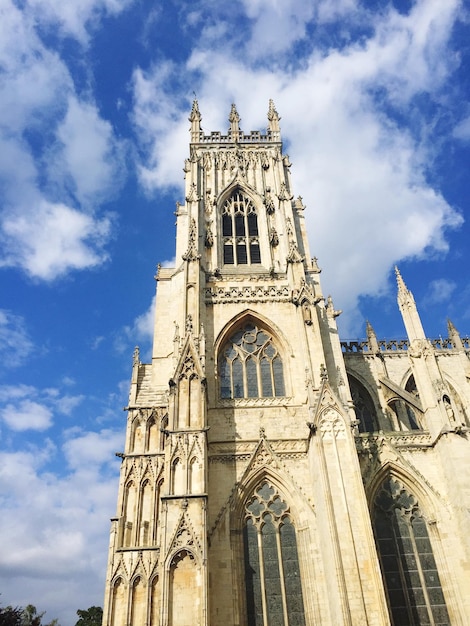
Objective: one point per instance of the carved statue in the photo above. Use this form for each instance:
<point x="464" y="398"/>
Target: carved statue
<point x="307" y="313"/>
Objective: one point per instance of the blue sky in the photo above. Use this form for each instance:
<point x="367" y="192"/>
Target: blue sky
<point x="94" y="104"/>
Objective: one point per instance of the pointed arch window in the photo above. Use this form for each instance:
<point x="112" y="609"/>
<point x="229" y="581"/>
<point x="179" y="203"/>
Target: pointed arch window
<point x="363" y="405"/>
<point x="405" y="416"/>
<point x="250" y="365"/>
<point x="406" y="557"/>
<point x="240" y="231"/>
<point x="272" y="574"/>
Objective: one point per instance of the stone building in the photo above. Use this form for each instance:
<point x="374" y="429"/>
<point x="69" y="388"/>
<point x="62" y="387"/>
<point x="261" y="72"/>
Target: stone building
<point x="272" y="474"/>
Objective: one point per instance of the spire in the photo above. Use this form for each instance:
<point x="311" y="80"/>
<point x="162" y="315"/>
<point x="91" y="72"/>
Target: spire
<point x="234" y="120"/>
<point x="409" y="311"/>
<point x="404" y="294"/>
<point x="454" y="336"/>
<point x="195" y="119"/>
<point x="372" y="338"/>
<point x="273" y="119"/>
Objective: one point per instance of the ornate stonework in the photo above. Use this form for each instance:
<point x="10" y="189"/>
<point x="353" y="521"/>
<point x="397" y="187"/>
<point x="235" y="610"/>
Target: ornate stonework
<point x="261" y="451"/>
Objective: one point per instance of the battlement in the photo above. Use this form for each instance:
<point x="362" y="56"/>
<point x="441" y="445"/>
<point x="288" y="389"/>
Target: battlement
<point x="255" y="136"/>
<point x="399" y="345"/>
<point x="235" y="135"/>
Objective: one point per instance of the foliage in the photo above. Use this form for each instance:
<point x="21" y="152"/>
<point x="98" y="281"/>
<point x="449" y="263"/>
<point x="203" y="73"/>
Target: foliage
<point x="28" y="616"/>
<point x="91" y="617"/>
<point x="10" y="616"/>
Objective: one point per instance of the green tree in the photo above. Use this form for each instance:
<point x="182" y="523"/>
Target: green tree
<point x="31" y="617"/>
<point x="10" y="616"/>
<point x="90" y="617"/>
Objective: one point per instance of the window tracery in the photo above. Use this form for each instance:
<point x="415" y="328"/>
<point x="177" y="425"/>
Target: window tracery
<point x="272" y="574"/>
<point x="408" y="566"/>
<point x="250" y="365"/>
<point x="405" y="415"/>
<point x="240" y="231"/>
<point x="363" y="405"/>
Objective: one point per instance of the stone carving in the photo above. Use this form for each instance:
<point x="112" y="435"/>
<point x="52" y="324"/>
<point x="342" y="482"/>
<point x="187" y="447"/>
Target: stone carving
<point x="207" y="161"/>
<point x="273" y="237"/>
<point x="439" y="387"/>
<point x="294" y="255"/>
<point x="248" y="293"/>
<point x="192" y="195"/>
<point x="191" y="253"/>
<point x="234" y="118"/>
<point x="209" y="238"/>
<point x="257" y="402"/>
<point x="331" y="425"/>
<point x="330" y="308"/>
<point x="195" y="115"/>
<point x="208" y="203"/>
<point x="184" y="536"/>
<point x="419" y="348"/>
<point x="420" y="440"/>
<point x="273" y="117"/>
<point x="298" y="204"/>
<point x="269" y="202"/>
<point x="284" y="194"/>
<point x="193" y="155"/>
<point x="306" y="313"/>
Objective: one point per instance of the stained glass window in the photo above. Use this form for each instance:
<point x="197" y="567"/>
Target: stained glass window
<point x="408" y="566"/>
<point x="363" y="405"/>
<point x="250" y="365"/>
<point x="240" y="231"/>
<point x="272" y="574"/>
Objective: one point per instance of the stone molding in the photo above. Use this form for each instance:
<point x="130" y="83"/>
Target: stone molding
<point x="247" y="293"/>
<point x="253" y="402"/>
<point x="408" y="440"/>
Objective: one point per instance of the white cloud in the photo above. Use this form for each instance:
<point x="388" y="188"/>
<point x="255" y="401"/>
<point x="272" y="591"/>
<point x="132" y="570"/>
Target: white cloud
<point x="24" y="407"/>
<point x="53" y="239"/>
<point x="26" y="415"/>
<point x="462" y="130"/>
<point x="67" y="404"/>
<point x="15" y="344"/>
<point x="50" y="186"/>
<point x="92" y="448"/>
<point x="34" y="78"/>
<point x="144" y="324"/>
<point x="276" y="25"/>
<point x="87" y="153"/>
<point x="75" y="18"/>
<point x="57" y="527"/>
<point x="362" y="174"/>
<point x="439" y="290"/>
<point x="141" y="330"/>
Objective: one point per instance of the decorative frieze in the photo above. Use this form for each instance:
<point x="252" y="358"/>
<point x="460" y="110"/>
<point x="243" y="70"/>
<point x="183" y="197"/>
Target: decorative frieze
<point x="225" y="452"/>
<point x="253" y="402"/>
<point x="408" y="440"/>
<point x="247" y="293"/>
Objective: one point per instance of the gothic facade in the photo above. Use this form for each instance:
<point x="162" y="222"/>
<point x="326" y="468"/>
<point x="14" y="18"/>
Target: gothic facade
<point x="272" y="474"/>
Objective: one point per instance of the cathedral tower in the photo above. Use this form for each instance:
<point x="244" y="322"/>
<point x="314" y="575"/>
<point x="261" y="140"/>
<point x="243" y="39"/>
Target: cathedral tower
<point x="252" y="460"/>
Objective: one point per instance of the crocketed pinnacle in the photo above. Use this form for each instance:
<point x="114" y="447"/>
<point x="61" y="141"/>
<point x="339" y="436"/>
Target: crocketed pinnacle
<point x="233" y="117"/>
<point x="195" y="115"/>
<point x="400" y="282"/>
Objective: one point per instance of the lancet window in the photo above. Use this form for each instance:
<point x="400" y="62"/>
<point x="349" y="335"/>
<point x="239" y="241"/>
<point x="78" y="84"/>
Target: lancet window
<point x="250" y="365"/>
<point x="240" y="231"/>
<point x="408" y="566"/>
<point x="272" y="574"/>
<point x="363" y="405"/>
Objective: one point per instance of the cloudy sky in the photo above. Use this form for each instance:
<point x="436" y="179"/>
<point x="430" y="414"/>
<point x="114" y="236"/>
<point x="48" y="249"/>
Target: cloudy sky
<point x="94" y="104"/>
